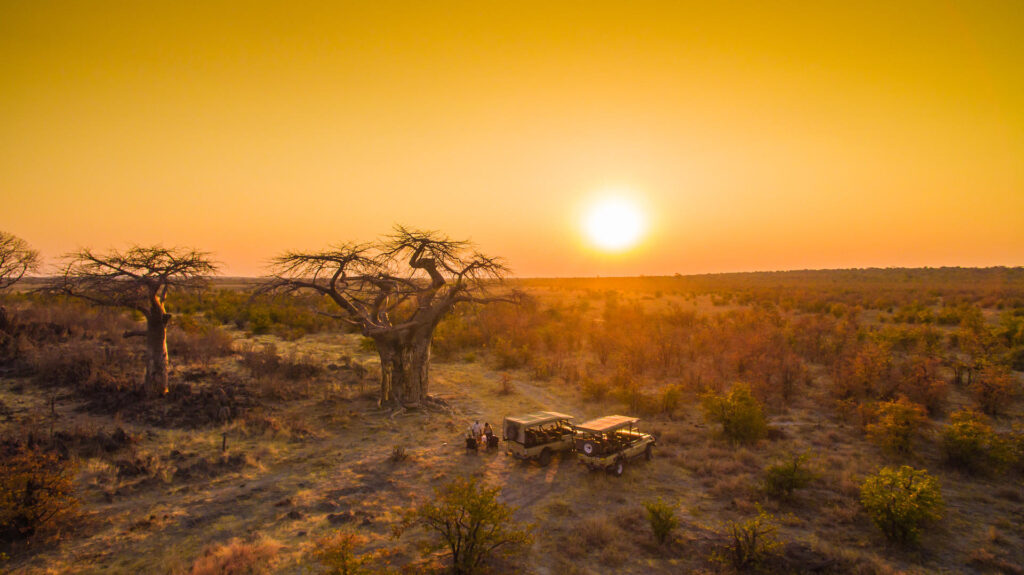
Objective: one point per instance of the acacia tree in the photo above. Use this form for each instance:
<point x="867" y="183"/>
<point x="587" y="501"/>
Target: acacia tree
<point x="16" y="259"/>
<point x="139" y="279"/>
<point x="396" y="290"/>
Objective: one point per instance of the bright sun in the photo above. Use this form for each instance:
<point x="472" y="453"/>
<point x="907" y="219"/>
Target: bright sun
<point x="614" y="224"/>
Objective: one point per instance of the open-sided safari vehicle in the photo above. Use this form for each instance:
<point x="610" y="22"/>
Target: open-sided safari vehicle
<point x="609" y="442"/>
<point x="538" y="435"/>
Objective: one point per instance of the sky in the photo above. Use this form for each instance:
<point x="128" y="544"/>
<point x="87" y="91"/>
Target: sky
<point x="753" y="136"/>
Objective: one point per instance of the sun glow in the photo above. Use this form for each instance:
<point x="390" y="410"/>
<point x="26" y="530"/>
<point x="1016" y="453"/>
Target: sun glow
<point x="614" y="224"/>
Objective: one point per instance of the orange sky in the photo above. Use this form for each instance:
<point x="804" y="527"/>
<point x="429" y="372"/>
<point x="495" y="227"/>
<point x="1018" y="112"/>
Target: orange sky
<point x="773" y="135"/>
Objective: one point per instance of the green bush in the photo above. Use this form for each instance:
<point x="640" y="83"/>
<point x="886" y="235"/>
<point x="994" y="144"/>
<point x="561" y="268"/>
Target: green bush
<point x="896" y="425"/>
<point x="469" y="521"/>
<point x="783" y="478"/>
<point x="337" y="554"/>
<point x="662" y="518"/>
<point x="739" y="412"/>
<point x="970" y="444"/>
<point x="749" y="543"/>
<point x="900" y="501"/>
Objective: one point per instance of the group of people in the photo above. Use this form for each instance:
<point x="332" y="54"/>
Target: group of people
<point x="478" y="436"/>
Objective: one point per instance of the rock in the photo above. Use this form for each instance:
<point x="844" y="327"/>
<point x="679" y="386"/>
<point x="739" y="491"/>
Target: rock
<point x="294" y="514"/>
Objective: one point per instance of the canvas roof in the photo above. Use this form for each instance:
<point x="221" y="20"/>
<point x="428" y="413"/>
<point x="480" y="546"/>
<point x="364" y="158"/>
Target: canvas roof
<point x="538" y="418"/>
<point x="607" y="423"/>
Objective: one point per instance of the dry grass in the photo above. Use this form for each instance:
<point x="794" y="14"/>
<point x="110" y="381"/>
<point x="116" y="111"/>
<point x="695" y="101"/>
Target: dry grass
<point x="237" y="558"/>
<point x="320" y="456"/>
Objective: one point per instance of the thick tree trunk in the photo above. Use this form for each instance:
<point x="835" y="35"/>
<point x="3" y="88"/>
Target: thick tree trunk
<point x="156" y="354"/>
<point x="404" y="368"/>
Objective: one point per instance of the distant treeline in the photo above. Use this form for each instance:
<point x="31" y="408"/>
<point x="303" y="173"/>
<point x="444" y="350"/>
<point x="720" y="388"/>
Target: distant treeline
<point x="816" y="290"/>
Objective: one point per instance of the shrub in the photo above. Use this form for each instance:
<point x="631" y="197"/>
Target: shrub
<point x="922" y="383"/>
<point x="261" y="362"/>
<point x="505" y="387"/>
<point x="265" y="362"/>
<point x="662" y="518"/>
<point x="896" y="425"/>
<point x="469" y="521"/>
<point x="783" y="478"/>
<point x="300" y="367"/>
<point x="507" y="356"/>
<point x="594" y="389"/>
<point x="970" y="444"/>
<point x="237" y="558"/>
<point x="671" y="398"/>
<point x="900" y="501"/>
<point x="398" y="454"/>
<point x="36" y="488"/>
<point x="739" y="412"/>
<point x="200" y="344"/>
<point x="337" y="554"/>
<point x="994" y="389"/>
<point x="749" y="543"/>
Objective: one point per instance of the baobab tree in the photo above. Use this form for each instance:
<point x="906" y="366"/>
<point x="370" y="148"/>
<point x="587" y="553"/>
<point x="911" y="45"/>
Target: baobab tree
<point x="396" y="290"/>
<point x="16" y="259"/>
<point x="140" y="278"/>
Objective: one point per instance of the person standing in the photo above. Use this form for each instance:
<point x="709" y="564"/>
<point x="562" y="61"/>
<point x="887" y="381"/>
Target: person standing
<point x="489" y="436"/>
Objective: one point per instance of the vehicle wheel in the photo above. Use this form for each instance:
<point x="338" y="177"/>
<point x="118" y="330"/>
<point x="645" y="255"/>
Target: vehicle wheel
<point x="588" y="448"/>
<point x="648" y="453"/>
<point x="618" y="468"/>
<point x="545" y="457"/>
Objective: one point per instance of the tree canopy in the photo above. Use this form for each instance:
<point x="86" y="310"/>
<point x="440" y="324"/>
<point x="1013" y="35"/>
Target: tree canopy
<point x="16" y="259"/>
<point x="396" y="290"/>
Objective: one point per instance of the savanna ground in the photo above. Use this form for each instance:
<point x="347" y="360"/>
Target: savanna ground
<point x="270" y="437"/>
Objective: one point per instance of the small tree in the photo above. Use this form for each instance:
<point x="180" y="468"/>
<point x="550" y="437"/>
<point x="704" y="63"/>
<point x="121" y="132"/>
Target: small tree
<point x="970" y="444"/>
<point x="35" y="488"/>
<point x="739" y="412"/>
<point x="751" y="542"/>
<point x="17" y="258"/>
<point x="139" y="279"/>
<point x="897" y="424"/>
<point x="783" y="478"/>
<point x="469" y="521"/>
<point x="337" y="553"/>
<point x="662" y="518"/>
<point x="994" y="389"/>
<point x="900" y="501"/>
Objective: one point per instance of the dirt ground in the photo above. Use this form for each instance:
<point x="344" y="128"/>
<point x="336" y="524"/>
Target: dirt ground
<point x="293" y="487"/>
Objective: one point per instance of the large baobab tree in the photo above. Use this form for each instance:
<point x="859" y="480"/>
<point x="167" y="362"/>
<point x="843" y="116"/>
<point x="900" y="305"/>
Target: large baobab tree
<point x="396" y="290"/>
<point x="16" y="259"/>
<point x="140" y="279"/>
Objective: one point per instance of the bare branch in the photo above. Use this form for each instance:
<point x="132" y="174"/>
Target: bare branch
<point x="139" y="278"/>
<point x="16" y="259"/>
<point x="374" y="283"/>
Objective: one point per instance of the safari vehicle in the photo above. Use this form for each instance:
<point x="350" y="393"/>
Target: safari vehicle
<point x="609" y="442"/>
<point x="538" y="435"/>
